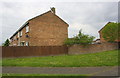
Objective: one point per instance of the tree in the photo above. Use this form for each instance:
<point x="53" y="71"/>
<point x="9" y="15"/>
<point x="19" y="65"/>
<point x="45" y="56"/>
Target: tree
<point x="110" y="32"/>
<point x="80" y="39"/>
<point x="6" y="43"/>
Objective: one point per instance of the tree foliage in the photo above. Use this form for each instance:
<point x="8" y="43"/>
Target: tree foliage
<point x="80" y="39"/>
<point x="110" y="32"/>
<point x="6" y="43"/>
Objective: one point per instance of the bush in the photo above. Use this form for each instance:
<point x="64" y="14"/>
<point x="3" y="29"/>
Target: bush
<point x="111" y="32"/>
<point x="80" y="39"/>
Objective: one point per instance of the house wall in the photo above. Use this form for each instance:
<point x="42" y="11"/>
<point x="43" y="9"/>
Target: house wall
<point x="48" y="30"/>
<point x="45" y="30"/>
<point x="101" y="37"/>
<point x="23" y="38"/>
<point x="103" y="40"/>
<point x="93" y="48"/>
<point x="14" y="41"/>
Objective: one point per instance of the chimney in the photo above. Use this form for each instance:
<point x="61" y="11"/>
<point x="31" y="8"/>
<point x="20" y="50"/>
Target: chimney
<point x="53" y="10"/>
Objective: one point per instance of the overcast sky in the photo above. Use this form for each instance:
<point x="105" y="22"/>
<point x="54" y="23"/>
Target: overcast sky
<point x="88" y="16"/>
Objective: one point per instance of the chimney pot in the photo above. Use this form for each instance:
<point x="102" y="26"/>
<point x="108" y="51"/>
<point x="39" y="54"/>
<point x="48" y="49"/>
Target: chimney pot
<point x="53" y="10"/>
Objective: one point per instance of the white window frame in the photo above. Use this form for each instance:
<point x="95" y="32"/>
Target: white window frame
<point x="27" y="28"/>
<point x="14" y="37"/>
<point x="27" y="43"/>
<point x="21" y="33"/>
<point x="18" y="34"/>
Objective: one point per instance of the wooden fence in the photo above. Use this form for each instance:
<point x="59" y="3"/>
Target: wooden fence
<point x="21" y="51"/>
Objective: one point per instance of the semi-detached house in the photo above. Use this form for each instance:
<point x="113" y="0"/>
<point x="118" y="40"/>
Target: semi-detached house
<point x="46" y="29"/>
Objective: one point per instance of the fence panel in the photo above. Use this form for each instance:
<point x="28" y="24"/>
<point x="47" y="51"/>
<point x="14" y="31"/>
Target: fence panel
<point x="22" y="51"/>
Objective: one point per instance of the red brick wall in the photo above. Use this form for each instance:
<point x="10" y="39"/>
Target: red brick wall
<point x="101" y="37"/>
<point x="45" y="30"/>
<point x="93" y="48"/>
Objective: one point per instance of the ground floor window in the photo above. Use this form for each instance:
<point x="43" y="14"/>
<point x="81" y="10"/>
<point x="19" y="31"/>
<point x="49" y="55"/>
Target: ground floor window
<point x="22" y="43"/>
<point x="27" y="43"/>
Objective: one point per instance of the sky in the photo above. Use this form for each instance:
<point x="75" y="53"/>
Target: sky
<point x="90" y="16"/>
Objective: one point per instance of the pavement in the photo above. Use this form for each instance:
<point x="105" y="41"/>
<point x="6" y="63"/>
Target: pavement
<point x="94" y="71"/>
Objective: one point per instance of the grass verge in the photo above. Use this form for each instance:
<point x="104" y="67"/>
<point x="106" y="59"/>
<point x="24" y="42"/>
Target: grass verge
<point x="107" y="58"/>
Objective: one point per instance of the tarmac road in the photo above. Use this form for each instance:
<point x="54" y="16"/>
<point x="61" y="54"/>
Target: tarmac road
<point x="94" y="71"/>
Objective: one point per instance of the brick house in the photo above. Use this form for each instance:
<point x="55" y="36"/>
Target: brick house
<point x="46" y="29"/>
<point x="101" y="35"/>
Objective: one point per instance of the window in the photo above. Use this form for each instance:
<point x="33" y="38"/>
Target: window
<point x="18" y="34"/>
<point x="21" y="33"/>
<point x="27" y="43"/>
<point x="14" y="37"/>
<point x="27" y="28"/>
<point x="14" y="44"/>
<point x="22" y="43"/>
<point x="18" y="43"/>
<point x="12" y="40"/>
<point x="17" y="38"/>
<point x="27" y="36"/>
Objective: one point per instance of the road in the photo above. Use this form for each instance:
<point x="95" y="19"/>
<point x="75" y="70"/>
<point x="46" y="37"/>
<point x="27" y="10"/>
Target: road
<point x="94" y="71"/>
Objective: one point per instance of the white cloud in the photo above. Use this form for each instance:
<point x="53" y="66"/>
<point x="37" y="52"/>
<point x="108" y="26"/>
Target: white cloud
<point x="86" y="28"/>
<point x="60" y="0"/>
<point x="88" y="16"/>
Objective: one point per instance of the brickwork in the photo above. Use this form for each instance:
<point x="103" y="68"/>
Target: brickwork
<point x="14" y="42"/>
<point x="93" y="48"/>
<point x="48" y="30"/>
<point x="44" y="30"/>
<point x="102" y="40"/>
<point x="101" y="35"/>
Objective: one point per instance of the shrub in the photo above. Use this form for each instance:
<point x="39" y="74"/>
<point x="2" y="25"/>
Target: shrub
<point x="80" y="39"/>
<point x="111" y="32"/>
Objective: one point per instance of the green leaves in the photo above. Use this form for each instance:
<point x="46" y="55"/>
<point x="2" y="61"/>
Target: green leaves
<point x="110" y="32"/>
<point x="80" y="39"/>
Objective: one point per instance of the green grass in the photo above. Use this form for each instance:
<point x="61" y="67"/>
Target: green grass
<point x="107" y="58"/>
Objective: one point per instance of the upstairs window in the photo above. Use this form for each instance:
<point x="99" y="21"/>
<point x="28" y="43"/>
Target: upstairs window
<point x="14" y="37"/>
<point x="11" y="40"/>
<point x="27" y="29"/>
<point x="17" y="38"/>
<point x="27" y="36"/>
<point x="21" y="33"/>
<point x="18" y="34"/>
